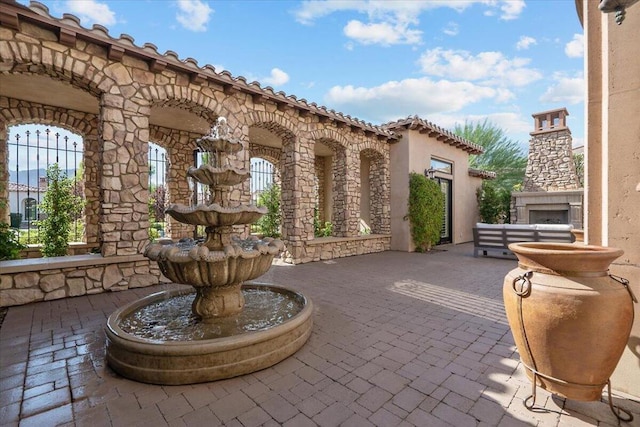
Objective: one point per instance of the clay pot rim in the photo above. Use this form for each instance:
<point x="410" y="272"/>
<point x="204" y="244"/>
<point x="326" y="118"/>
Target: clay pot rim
<point x="565" y="258"/>
<point x="562" y="249"/>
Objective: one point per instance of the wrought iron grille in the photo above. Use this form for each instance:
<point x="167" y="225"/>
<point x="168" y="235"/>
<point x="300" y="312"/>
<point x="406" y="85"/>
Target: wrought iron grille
<point x="157" y="190"/>
<point x="262" y="175"/>
<point x="30" y="154"/>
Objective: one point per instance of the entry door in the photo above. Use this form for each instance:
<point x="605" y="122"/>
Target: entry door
<point x="445" y="233"/>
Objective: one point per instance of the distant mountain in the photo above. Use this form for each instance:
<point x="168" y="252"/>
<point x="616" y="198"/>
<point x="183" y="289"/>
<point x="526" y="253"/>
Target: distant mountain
<point x="31" y="176"/>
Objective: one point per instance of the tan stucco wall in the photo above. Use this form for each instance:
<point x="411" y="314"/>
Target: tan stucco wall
<point x="399" y="183"/>
<point x="613" y="156"/>
<point x="413" y="153"/>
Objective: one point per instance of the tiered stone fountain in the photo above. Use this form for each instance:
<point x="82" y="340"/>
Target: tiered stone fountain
<point x="227" y="328"/>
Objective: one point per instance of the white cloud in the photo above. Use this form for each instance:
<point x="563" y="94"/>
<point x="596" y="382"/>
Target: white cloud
<point x="383" y="33"/>
<point x="310" y="10"/>
<point x="395" y="99"/>
<point x="525" y="42"/>
<point x="567" y="90"/>
<point x="452" y="29"/>
<point x="575" y="48"/>
<point x="193" y="15"/>
<point x="489" y="67"/>
<point x="277" y="77"/>
<point x="390" y="22"/>
<point x="91" y="11"/>
<point x="511" y="9"/>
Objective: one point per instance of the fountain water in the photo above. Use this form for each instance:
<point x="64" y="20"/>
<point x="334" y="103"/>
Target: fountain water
<point x="227" y="328"/>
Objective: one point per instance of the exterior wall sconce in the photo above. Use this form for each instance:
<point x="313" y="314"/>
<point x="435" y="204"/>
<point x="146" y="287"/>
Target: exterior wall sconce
<point x="430" y="173"/>
<point x="617" y="6"/>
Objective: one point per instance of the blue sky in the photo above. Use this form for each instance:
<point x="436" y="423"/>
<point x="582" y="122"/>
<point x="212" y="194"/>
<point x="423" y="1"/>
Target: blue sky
<point x="447" y="61"/>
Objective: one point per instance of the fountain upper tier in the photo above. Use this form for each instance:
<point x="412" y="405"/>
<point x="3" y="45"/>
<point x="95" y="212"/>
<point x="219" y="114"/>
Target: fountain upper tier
<point x="215" y="215"/>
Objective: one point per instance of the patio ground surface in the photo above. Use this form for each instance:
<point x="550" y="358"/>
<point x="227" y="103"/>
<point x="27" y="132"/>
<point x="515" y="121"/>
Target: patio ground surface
<point x="398" y="339"/>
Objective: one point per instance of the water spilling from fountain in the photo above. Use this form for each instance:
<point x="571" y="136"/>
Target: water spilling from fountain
<point x="224" y="327"/>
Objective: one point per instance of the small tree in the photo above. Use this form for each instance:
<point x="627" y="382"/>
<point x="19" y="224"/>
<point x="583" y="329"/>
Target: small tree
<point x="60" y="206"/>
<point x="270" y="222"/>
<point x="426" y="211"/>
<point x="493" y="203"/>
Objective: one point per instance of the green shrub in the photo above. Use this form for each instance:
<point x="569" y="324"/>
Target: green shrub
<point x="321" y="229"/>
<point x="493" y="203"/>
<point x="426" y="211"/>
<point x="60" y="206"/>
<point x="10" y="246"/>
<point x="269" y="223"/>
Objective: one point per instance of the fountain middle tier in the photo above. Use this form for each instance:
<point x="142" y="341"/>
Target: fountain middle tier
<point x="214" y="215"/>
<point x="226" y="175"/>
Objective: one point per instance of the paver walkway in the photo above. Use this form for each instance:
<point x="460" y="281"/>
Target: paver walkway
<point x="398" y="340"/>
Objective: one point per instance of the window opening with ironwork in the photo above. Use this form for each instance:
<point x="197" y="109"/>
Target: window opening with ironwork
<point x="32" y="149"/>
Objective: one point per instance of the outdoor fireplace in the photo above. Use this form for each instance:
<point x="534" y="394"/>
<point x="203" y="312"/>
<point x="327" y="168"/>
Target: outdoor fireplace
<point x="552" y="193"/>
<point x="548" y="216"/>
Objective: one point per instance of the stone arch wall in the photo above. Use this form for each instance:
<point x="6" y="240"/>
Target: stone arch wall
<point x="270" y="154"/>
<point x="128" y="82"/>
<point x="86" y="124"/>
<point x="284" y="129"/>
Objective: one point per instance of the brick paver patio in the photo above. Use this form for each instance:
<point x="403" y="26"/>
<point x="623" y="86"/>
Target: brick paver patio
<point x="399" y="340"/>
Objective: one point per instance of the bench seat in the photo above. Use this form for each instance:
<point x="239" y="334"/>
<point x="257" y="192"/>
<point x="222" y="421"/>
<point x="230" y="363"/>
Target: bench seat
<point x="498" y="237"/>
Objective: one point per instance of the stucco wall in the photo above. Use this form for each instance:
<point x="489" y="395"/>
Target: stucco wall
<point x="613" y="157"/>
<point x="413" y="153"/>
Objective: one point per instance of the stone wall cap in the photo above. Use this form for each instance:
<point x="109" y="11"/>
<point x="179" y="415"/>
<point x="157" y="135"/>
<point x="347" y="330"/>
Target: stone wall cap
<point x="40" y="264"/>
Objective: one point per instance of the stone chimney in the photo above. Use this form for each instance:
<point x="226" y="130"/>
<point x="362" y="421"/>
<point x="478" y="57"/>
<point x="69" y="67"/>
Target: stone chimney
<point x="550" y="165"/>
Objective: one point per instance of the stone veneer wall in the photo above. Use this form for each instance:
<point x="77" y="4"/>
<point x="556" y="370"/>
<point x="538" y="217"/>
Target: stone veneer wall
<point x="326" y="248"/>
<point x="23" y="282"/>
<point x="550" y="164"/>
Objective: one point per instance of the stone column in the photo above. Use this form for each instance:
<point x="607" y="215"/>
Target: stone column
<point x="352" y="193"/>
<point x="380" y="205"/>
<point x="124" y="128"/>
<point x="92" y="175"/>
<point x="339" y="216"/>
<point x="297" y="197"/>
<point x="4" y="174"/>
<point x="180" y="188"/>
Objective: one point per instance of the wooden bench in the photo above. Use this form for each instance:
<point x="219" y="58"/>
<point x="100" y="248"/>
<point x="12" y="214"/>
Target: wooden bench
<point x="498" y="237"/>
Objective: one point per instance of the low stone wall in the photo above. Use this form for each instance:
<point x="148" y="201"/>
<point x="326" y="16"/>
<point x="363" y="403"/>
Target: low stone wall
<point x="43" y="279"/>
<point x="325" y="248"/>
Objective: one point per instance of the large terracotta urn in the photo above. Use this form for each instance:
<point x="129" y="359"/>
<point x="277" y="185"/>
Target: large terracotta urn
<point x="570" y="319"/>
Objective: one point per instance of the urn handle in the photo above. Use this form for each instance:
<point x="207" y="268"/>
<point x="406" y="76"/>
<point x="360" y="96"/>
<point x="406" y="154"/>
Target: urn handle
<point x="522" y="284"/>
<point x="624" y="283"/>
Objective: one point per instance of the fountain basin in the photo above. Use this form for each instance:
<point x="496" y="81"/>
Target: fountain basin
<point x="183" y="361"/>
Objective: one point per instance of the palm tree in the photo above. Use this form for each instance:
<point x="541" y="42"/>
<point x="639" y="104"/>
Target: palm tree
<point x="501" y="154"/>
